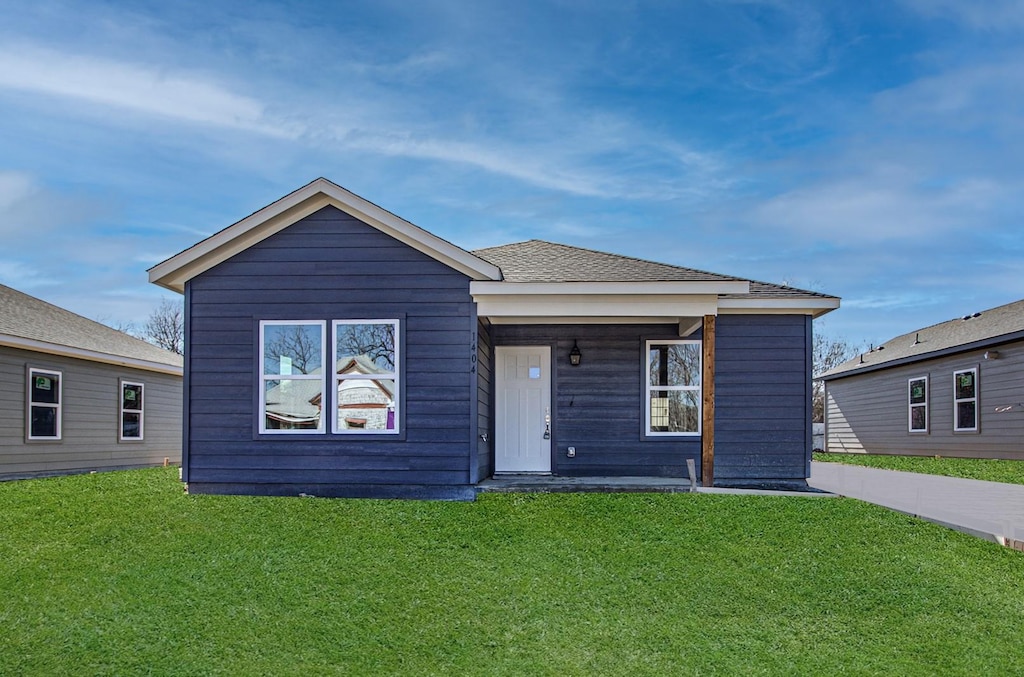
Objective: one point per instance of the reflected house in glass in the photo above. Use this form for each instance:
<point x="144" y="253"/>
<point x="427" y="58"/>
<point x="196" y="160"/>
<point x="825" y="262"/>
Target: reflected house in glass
<point x="452" y="366"/>
<point x="951" y="389"/>
<point x="293" y="405"/>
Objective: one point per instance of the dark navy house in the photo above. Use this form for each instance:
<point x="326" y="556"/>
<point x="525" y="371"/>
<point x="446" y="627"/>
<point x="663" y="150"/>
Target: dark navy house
<point x="335" y="349"/>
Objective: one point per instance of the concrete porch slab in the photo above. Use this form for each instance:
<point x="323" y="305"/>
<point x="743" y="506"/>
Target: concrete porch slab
<point x="553" y="484"/>
<point x="658" y="485"/>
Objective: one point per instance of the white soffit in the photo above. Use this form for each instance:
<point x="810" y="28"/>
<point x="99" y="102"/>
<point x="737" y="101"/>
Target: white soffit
<point x="175" y="271"/>
<point x="704" y="288"/>
<point x="622" y="306"/>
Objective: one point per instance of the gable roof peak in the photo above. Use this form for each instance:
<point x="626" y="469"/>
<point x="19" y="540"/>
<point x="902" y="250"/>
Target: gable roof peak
<point x="174" y="272"/>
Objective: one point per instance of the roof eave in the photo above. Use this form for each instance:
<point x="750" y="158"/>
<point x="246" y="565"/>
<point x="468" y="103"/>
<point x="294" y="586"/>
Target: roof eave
<point x="921" y="357"/>
<point x="88" y="355"/>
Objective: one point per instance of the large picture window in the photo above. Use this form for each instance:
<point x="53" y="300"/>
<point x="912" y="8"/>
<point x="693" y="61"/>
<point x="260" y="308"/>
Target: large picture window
<point x="917" y="399"/>
<point x="673" y="391"/>
<point x="292" y="382"/>
<point x="965" y="400"/>
<point x="44" y="404"/>
<point x="366" y="369"/>
<point x="131" y="411"/>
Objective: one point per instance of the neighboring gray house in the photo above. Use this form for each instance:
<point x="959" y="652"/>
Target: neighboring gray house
<point x="77" y="396"/>
<point x="952" y="389"/>
<point x="452" y="366"/>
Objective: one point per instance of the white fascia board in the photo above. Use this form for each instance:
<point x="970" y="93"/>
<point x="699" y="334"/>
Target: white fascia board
<point x="531" y="319"/>
<point x="175" y="271"/>
<point x="609" y="288"/>
<point x="814" y="306"/>
<point x="666" y="307"/>
<point x="89" y="355"/>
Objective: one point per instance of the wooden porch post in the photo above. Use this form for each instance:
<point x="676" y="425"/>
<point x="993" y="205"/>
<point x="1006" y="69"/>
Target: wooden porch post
<point x="707" y="462"/>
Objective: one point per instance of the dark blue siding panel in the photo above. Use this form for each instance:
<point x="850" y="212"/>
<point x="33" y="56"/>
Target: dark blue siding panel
<point x="330" y="266"/>
<point x="762" y="398"/>
<point x="484" y="441"/>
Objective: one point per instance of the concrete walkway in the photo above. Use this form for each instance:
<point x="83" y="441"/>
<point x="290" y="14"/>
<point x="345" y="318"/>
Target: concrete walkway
<point x="991" y="510"/>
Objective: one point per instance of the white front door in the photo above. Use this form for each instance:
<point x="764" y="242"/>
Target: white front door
<point x="523" y="409"/>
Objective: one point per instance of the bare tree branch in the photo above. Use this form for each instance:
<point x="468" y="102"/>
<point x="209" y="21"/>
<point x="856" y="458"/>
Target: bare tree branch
<point x="165" y="327"/>
<point x="376" y="341"/>
<point x="829" y="353"/>
<point x="300" y="345"/>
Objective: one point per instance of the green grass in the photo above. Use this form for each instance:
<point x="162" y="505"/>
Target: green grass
<point x="121" y="573"/>
<point x="991" y="470"/>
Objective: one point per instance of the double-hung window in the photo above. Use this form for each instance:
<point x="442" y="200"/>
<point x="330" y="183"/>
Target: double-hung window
<point x="366" y="376"/>
<point x="673" y="387"/>
<point x="965" y="400"/>
<point x="44" y="404"/>
<point x="131" y="411"/>
<point x="292" y="382"/>
<point x="917" y="399"/>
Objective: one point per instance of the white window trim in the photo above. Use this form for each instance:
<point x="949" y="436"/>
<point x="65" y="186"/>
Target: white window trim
<point x="264" y="378"/>
<point x="141" y="411"/>
<point x="911" y="405"/>
<point x="336" y="379"/>
<point x="956" y="402"/>
<point x="59" y="406"/>
<point x="648" y="388"/>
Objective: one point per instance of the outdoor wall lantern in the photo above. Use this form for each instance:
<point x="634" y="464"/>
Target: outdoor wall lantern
<point x="575" y="355"/>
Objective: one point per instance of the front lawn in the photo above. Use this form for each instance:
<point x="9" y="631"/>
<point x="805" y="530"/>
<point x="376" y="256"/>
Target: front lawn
<point x="991" y="470"/>
<point x="121" y="573"/>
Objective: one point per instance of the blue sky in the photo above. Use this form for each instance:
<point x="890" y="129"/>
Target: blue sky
<point x="870" y="150"/>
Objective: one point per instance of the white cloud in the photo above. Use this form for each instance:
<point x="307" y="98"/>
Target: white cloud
<point x="29" y="210"/>
<point x="992" y="15"/>
<point x="135" y="87"/>
<point x="21" y="276"/>
<point x="14" y="187"/>
<point x="887" y="204"/>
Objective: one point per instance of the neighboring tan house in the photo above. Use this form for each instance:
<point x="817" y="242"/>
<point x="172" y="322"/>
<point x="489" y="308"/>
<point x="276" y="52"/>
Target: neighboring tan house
<point x="78" y="396"/>
<point x="952" y="389"/>
<point x="526" y="358"/>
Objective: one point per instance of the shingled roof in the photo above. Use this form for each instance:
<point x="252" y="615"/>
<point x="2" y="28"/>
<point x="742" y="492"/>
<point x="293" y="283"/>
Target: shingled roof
<point x="541" y="261"/>
<point x="969" y="332"/>
<point x="33" y="324"/>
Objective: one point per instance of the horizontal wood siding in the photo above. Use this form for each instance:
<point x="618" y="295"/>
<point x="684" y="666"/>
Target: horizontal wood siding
<point x="485" y="453"/>
<point x="762" y="392"/>
<point x="598" y="406"/>
<point x="868" y="413"/>
<point x="90" y="393"/>
<point x="330" y="266"/>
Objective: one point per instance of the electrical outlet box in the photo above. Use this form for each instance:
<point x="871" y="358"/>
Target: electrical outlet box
<point x="571" y="452"/>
